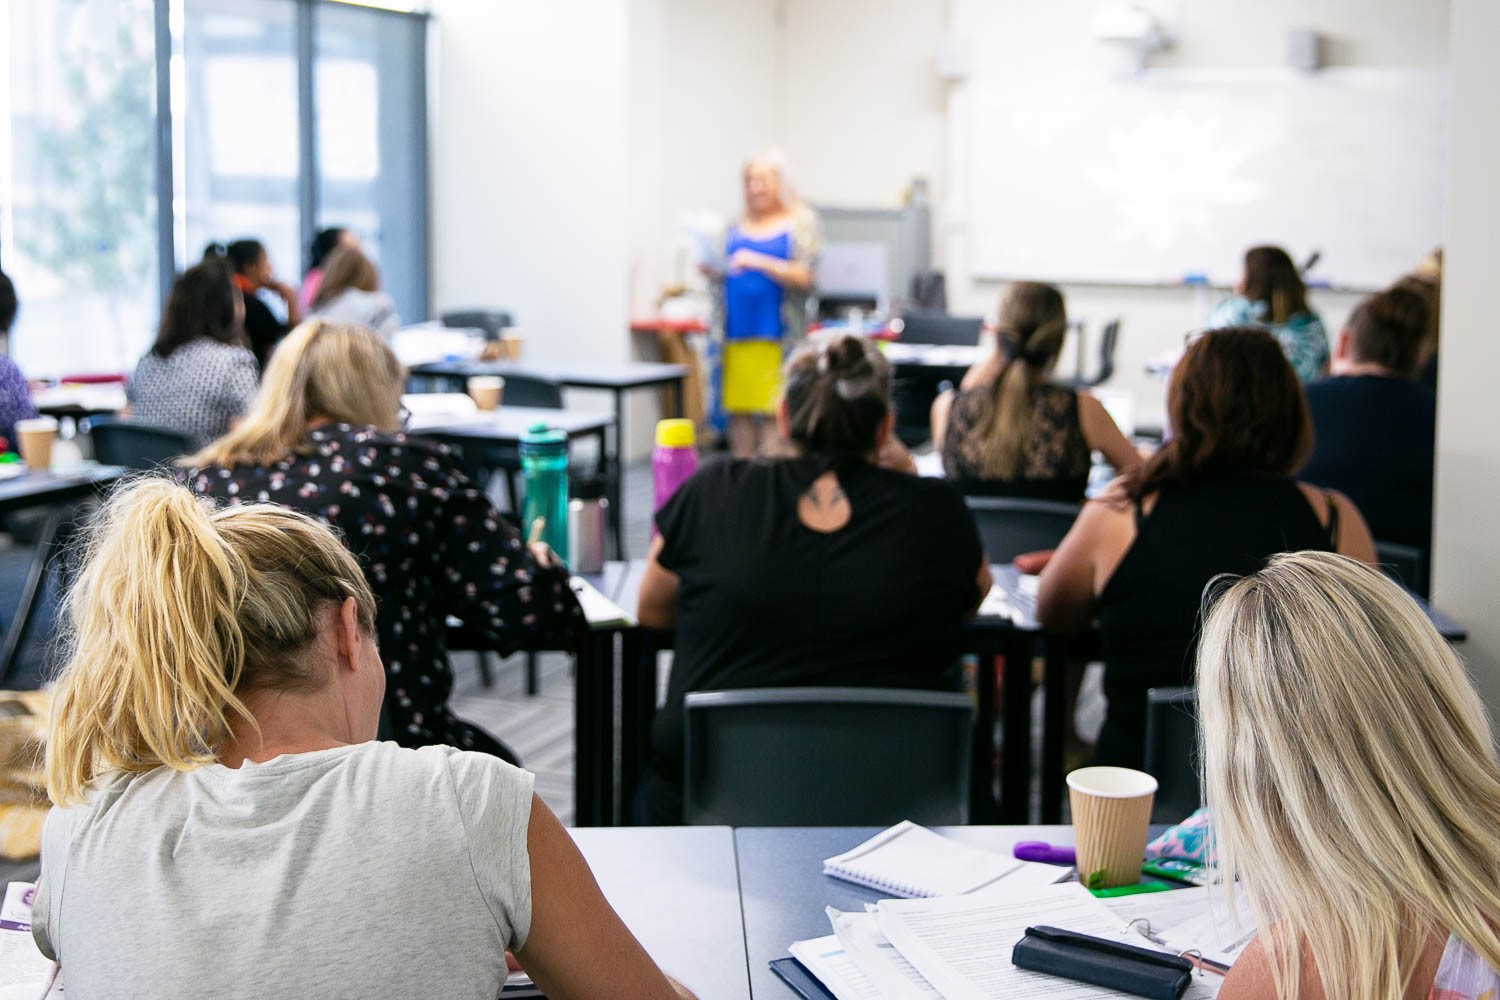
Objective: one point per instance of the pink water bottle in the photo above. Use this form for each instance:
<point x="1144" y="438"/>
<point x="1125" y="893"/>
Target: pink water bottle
<point x="674" y="459"/>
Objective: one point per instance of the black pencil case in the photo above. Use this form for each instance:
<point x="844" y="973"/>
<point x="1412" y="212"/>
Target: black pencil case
<point x="1102" y="962"/>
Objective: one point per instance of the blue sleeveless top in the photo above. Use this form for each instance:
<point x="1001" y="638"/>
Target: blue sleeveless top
<point x="752" y="300"/>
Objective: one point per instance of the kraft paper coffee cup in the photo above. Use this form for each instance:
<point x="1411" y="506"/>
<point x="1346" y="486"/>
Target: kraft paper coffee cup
<point x="513" y="340"/>
<point x="34" y="439"/>
<point x="1111" y="811"/>
<point x="486" y="391"/>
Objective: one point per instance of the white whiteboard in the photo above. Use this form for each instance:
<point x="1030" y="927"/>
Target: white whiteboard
<point x="1175" y="173"/>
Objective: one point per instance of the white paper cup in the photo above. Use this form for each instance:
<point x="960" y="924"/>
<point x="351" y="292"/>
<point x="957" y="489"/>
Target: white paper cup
<point x="486" y="391"/>
<point x="1111" y="812"/>
<point x="34" y="438"/>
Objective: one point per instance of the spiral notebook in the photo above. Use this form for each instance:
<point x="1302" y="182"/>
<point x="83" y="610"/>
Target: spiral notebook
<point x="911" y="861"/>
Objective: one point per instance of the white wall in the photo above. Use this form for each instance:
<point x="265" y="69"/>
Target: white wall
<point x="1467" y="544"/>
<point x="1011" y="38"/>
<point x="529" y="168"/>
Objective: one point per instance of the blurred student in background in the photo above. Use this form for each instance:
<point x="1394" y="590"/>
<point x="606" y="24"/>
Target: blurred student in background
<point x="323" y="244"/>
<point x="767" y="277"/>
<point x="349" y="292"/>
<point x="1217" y="497"/>
<point x="1271" y="294"/>
<point x="252" y="273"/>
<point x="325" y="437"/>
<point x="1007" y="431"/>
<point x="15" y="392"/>
<point x="1374" y="425"/>
<point x="834" y="566"/>
<point x="1351" y="774"/>
<point x="200" y="375"/>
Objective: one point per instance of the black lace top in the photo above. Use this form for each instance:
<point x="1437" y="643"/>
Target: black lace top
<point x="430" y="544"/>
<point x="1054" y="464"/>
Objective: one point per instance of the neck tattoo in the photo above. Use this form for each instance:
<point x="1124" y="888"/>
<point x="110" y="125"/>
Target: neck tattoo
<point x="835" y="495"/>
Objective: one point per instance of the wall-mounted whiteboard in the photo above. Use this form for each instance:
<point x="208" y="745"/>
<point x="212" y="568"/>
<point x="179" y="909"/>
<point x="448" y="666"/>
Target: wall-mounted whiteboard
<point x="1175" y="173"/>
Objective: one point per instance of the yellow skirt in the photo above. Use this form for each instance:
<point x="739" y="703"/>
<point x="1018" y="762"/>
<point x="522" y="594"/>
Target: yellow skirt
<point x="752" y="376"/>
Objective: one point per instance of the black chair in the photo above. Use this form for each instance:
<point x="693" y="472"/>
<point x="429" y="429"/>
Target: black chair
<point x="827" y="756"/>
<point x="940" y="328"/>
<point x="1010" y="526"/>
<point x="1108" y="340"/>
<point x="1172" y="752"/>
<point x="1407" y="565"/>
<point x="490" y="321"/>
<point x="136" y="446"/>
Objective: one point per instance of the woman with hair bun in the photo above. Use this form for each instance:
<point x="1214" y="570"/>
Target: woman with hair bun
<point x="825" y="567"/>
<point x="1351" y="775"/>
<point x="1217" y="497"/>
<point x="1007" y="432"/>
<point x="226" y="825"/>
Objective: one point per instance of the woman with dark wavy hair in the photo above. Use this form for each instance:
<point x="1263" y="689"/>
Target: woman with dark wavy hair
<point x="1218" y="497"/>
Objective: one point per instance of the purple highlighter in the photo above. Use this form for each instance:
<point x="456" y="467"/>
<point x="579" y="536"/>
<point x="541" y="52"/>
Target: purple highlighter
<point x="1047" y="854"/>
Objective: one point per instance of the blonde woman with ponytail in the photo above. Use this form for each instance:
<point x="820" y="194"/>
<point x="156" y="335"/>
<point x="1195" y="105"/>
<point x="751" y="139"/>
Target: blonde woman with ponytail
<point x="324" y="437"/>
<point x="1006" y="431"/>
<point x="1352" y="776"/>
<point x="225" y="824"/>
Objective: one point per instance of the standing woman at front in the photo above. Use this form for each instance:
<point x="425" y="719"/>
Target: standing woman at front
<point x="1271" y="294"/>
<point x="768" y="274"/>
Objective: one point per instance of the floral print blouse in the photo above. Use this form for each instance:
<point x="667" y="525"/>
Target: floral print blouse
<point x="1302" y="336"/>
<point x="431" y="545"/>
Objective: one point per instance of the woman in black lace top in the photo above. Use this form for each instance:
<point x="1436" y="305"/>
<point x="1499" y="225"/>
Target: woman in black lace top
<point x="1006" y="431"/>
<point x="323" y="438"/>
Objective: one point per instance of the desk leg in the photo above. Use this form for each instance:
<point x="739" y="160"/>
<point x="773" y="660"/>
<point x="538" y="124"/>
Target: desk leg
<point x="593" y="732"/>
<point x="982" y="776"/>
<point x="1015" y="688"/>
<point x="1054" y="726"/>
<point x="617" y="478"/>
<point x="637" y="708"/>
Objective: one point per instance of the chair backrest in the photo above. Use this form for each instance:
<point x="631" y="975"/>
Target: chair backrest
<point x="1010" y="526"/>
<point x="1172" y="752"/>
<point x="1108" y="340"/>
<point x="940" y="328"/>
<point x="1406" y="564"/>
<point x="827" y="756"/>
<point x="491" y="321"/>
<point x="524" y="390"/>
<point x="136" y="446"/>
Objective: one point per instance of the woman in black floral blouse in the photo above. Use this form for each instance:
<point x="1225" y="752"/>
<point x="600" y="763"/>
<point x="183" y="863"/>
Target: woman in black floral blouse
<point x="323" y="437"/>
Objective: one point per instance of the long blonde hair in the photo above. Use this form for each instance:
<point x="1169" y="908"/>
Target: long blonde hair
<point x="177" y="611"/>
<point x="1350" y="772"/>
<point x="338" y="371"/>
<point x="1032" y="325"/>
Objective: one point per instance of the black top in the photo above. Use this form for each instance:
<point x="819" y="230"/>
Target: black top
<point x="766" y="601"/>
<point x="262" y="328"/>
<point x="1055" y="463"/>
<point x="1149" y="608"/>
<point x="1374" y="443"/>
<point x="430" y="544"/>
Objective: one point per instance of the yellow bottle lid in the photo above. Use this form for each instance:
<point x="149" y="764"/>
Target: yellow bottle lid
<point x="675" y="433"/>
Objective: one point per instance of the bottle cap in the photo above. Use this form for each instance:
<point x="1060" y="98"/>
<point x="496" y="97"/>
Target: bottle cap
<point x="675" y="433"/>
<point x="588" y="488"/>
<point x="540" y="434"/>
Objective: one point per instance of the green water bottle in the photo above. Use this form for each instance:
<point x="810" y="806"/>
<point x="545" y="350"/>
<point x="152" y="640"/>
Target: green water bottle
<point x="544" y="468"/>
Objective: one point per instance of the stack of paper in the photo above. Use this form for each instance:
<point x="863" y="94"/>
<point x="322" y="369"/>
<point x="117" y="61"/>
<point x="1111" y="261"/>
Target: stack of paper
<point x="954" y="940"/>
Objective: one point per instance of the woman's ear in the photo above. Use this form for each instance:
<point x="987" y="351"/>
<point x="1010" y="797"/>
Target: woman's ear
<point x="783" y="422"/>
<point x="348" y="634"/>
<point x="885" y="430"/>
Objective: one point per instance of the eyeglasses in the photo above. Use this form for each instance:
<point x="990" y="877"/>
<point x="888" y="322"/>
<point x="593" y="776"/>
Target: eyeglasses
<point x="403" y="418"/>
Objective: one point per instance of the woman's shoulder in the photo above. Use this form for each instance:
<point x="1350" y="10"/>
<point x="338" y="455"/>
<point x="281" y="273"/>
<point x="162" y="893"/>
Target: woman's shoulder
<point x="1234" y="311"/>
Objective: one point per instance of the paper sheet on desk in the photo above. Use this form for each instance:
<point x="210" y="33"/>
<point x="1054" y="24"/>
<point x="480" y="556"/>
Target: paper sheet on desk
<point x="962" y="944"/>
